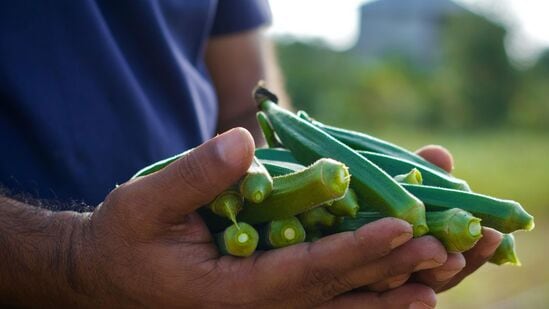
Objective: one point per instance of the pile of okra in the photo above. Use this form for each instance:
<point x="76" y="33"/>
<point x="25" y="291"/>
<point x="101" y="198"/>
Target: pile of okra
<point x="314" y="180"/>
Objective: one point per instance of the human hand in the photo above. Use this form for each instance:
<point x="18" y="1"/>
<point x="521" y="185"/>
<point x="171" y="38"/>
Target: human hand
<point x="146" y="246"/>
<point x="458" y="265"/>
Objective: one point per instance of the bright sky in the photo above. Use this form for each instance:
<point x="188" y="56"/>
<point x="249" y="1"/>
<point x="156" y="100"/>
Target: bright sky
<point x="336" y="22"/>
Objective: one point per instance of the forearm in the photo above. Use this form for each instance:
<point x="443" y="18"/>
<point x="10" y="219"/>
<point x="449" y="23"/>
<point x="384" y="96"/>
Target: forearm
<point x="236" y="63"/>
<point x="36" y="265"/>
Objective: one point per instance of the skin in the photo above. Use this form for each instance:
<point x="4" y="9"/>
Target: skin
<point x="145" y="245"/>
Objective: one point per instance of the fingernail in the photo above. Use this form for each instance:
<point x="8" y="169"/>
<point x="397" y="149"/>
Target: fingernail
<point x="232" y="145"/>
<point x="398" y="281"/>
<point x="400" y="239"/>
<point x="419" y="305"/>
<point x="445" y="275"/>
<point x="427" y="265"/>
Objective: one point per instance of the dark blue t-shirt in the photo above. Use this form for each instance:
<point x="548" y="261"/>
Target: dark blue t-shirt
<point x="91" y="90"/>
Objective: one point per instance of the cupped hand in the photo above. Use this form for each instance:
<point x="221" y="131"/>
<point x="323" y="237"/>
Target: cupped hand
<point x="146" y="246"/>
<point x="458" y="265"/>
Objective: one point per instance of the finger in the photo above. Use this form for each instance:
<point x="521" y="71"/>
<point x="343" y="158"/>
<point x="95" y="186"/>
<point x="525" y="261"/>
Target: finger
<point x="193" y="180"/>
<point x="417" y="254"/>
<point x="437" y="155"/>
<point x="411" y="295"/>
<point x="388" y="284"/>
<point x="440" y="276"/>
<point x="477" y="256"/>
<point x="314" y="272"/>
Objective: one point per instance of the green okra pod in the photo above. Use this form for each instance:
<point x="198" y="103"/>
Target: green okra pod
<point x="413" y="177"/>
<point x="346" y="206"/>
<point x="279" y="168"/>
<point x="267" y="130"/>
<point x="156" y="166"/>
<point x="282" y="233"/>
<point x="455" y="228"/>
<point x="317" y="219"/>
<point x="313" y="235"/>
<point x="363" y="141"/>
<point x="352" y="224"/>
<point x="238" y="240"/>
<point x="227" y="204"/>
<point x="505" y="216"/>
<point x="506" y="252"/>
<point x="257" y="184"/>
<point x="309" y="143"/>
<point x="275" y="154"/>
<point x="391" y="165"/>
<point x="324" y="181"/>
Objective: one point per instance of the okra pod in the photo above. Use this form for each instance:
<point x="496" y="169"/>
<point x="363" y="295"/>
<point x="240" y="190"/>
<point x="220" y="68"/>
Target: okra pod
<point x="346" y="206"/>
<point x="156" y="166"/>
<point x="324" y="181"/>
<point x="313" y="235"/>
<point x="227" y="204"/>
<point x="391" y="165"/>
<point x="275" y="154"/>
<point x="506" y="252"/>
<point x="257" y="184"/>
<point x="363" y="141"/>
<point x="238" y="240"/>
<point x="267" y="130"/>
<point x="505" y="216"/>
<point x="279" y="168"/>
<point x="413" y="177"/>
<point x="282" y="233"/>
<point x="309" y="143"/>
<point x="455" y="228"/>
<point x="317" y="219"/>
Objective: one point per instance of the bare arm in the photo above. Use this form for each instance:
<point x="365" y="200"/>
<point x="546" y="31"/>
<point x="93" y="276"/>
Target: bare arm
<point x="35" y="255"/>
<point x="236" y="63"/>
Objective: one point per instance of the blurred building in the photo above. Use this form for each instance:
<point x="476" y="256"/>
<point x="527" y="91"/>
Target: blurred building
<point x="407" y="28"/>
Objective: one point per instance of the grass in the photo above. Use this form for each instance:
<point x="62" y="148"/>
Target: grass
<point x="505" y="164"/>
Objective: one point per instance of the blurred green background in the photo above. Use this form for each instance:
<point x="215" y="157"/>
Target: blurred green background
<point x="463" y="92"/>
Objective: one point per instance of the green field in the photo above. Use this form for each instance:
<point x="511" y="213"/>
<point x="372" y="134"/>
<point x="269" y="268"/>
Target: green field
<point x="504" y="164"/>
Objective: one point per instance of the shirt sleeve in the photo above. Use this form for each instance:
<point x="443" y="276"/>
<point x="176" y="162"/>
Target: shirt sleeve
<point x="233" y="16"/>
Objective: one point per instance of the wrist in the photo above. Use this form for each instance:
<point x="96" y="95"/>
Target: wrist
<point x="39" y="266"/>
<point x="73" y="271"/>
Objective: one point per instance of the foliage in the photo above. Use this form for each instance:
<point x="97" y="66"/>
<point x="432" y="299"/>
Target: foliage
<point x="530" y="105"/>
<point x="476" y="73"/>
<point x="473" y="86"/>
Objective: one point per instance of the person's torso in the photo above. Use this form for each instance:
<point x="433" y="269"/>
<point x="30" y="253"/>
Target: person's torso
<point x="90" y="91"/>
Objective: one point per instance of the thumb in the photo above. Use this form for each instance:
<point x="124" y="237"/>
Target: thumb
<point x="193" y="180"/>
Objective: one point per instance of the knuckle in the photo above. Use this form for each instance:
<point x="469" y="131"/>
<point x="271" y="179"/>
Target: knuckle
<point x="432" y="248"/>
<point x="456" y="260"/>
<point x="393" y="271"/>
<point x="328" y="282"/>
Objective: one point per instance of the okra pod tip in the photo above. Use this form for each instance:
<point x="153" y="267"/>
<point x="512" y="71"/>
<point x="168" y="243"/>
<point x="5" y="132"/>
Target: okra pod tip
<point x="227" y="204"/>
<point x="457" y="229"/>
<point x="284" y="232"/>
<point x="336" y="175"/>
<point x="506" y="252"/>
